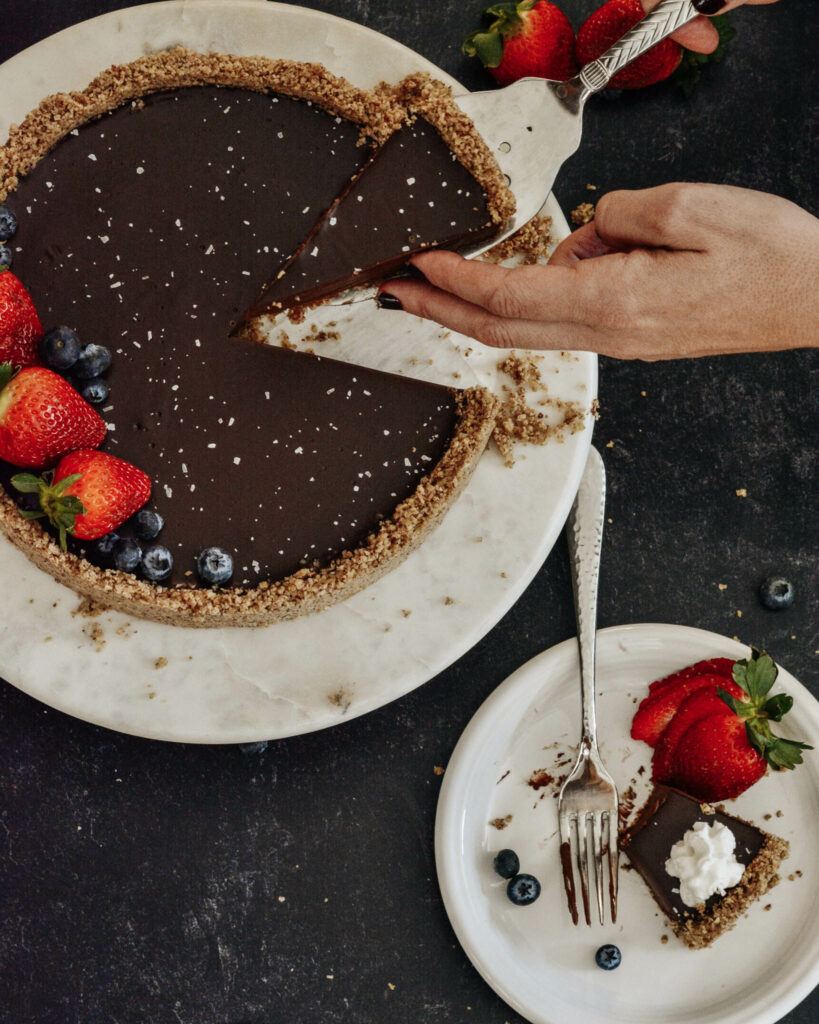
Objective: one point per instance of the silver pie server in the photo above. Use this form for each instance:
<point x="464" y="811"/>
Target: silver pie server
<point x="533" y="126"/>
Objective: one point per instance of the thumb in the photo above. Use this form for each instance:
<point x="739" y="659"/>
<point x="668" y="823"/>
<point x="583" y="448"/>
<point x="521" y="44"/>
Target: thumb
<point x="583" y="244"/>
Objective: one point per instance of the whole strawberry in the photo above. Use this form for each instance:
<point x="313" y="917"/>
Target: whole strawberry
<point x="89" y="494"/>
<point x="603" y="28"/>
<point x="43" y="418"/>
<point x="20" y="327"/>
<point x="728" y="745"/>
<point x="526" y="39"/>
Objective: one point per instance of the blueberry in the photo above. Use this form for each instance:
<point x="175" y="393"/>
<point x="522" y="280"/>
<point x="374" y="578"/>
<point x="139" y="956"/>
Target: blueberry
<point x="523" y="890"/>
<point x="127" y="554"/>
<point x="6" y="257"/>
<point x="147" y="524"/>
<point x="105" y="545"/>
<point x="60" y="348"/>
<point x="215" y="566"/>
<point x="8" y="223"/>
<point x="93" y="362"/>
<point x="157" y="563"/>
<point x="506" y="864"/>
<point x="94" y="391"/>
<point x="776" y="593"/>
<point x="608" y="957"/>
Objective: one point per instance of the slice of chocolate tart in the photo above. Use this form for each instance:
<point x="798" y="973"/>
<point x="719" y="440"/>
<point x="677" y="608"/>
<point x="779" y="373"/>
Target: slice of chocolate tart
<point x="149" y="211"/>
<point x="431" y="184"/>
<point x="670" y="816"/>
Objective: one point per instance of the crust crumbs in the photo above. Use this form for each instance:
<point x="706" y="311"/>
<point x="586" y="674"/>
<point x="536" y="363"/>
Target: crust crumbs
<point x="519" y="421"/>
<point x="582" y="214"/>
<point x="530" y="244"/>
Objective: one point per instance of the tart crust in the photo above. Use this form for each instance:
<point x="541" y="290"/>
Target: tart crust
<point x="379" y="112"/>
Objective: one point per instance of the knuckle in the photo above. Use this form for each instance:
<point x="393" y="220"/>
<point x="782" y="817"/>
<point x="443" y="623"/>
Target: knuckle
<point x="496" y="332"/>
<point x="672" y="209"/>
<point x="506" y="299"/>
<point x="605" y="207"/>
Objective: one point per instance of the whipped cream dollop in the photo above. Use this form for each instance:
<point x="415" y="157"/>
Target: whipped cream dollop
<point x="704" y="862"/>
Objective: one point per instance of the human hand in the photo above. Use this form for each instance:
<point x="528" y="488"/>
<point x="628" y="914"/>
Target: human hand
<point x="660" y="273"/>
<point x="700" y="35"/>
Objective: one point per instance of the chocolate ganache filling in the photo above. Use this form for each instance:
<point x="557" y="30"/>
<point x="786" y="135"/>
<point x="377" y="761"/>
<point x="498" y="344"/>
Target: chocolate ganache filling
<point x="149" y="230"/>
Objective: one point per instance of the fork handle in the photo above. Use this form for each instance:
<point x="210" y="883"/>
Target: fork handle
<point x="584" y="529"/>
<point x="667" y="17"/>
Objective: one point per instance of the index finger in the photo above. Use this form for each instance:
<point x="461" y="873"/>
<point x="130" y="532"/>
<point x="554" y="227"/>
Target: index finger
<point x="541" y="293"/>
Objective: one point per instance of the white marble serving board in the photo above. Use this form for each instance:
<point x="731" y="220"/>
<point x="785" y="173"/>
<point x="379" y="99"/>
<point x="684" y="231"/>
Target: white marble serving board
<point x="240" y="685"/>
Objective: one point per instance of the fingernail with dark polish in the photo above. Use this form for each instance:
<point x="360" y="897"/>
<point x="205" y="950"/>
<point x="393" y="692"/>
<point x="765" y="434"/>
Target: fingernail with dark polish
<point x="708" y="6"/>
<point x="410" y="270"/>
<point x="387" y="301"/>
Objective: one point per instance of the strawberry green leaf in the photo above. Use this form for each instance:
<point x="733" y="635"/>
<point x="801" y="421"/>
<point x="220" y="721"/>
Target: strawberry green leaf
<point x="31" y="513"/>
<point x="740" y="707"/>
<point x="777" y="706"/>
<point x="488" y="46"/>
<point x="785" y="753"/>
<point x="27" y="483"/>
<point x="61" y="487"/>
<point x="7" y="371"/>
<point x="755" y="675"/>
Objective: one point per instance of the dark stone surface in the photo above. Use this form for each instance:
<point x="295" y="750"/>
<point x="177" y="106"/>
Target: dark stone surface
<point x="156" y="898"/>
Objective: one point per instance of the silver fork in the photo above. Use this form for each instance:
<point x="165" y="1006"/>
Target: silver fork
<point x="588" y="805"/>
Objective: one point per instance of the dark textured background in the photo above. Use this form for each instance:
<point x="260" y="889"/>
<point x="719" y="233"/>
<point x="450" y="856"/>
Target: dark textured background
<point x="155" y="899"/>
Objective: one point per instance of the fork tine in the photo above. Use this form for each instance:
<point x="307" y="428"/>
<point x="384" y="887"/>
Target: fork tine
<point x="614" y="862"/>
<point x="597" y="846"/>
<point x="564" y="824"/>
<point x="582" y="854"/>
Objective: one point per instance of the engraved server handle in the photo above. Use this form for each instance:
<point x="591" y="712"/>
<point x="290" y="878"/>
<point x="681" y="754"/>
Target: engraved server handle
<point x="584" y="530"/>
<point x="666" y="18"/>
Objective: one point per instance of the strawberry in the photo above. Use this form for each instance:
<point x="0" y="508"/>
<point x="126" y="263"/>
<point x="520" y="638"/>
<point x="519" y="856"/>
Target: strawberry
<point x="43" y="418"/>
<point x="20" y="327"/>
<point x="89" y="494"/>
<point x="712" y="666"/>
<point x="658" y="709"/>
<point x="719" y="755"/>
<point x="698" y="704"/>
<point x="526" y="39"/>
<point x="713" y="759"/>
<point x="606" y="26"/>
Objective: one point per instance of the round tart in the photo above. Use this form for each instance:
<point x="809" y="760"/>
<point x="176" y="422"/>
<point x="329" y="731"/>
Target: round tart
<point x="157" y="210"/>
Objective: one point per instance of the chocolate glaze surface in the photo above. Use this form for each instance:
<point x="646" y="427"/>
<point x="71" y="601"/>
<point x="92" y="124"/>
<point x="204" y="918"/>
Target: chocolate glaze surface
<point x="663" y="821"/>
<point x="413" y="195"/>
<point x="149" y="231"/>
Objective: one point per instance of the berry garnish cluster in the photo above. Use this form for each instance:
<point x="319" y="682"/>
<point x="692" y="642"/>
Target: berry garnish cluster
<point x="521" y="889"/>
<point x="710" y="727"/>
<point x="534" y="39"/>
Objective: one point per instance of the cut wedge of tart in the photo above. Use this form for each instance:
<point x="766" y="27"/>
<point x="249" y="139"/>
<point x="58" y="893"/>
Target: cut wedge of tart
<point x="669" y="817"/>
<point x="150" y="215"/>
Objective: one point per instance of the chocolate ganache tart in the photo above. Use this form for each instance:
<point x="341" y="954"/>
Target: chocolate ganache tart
<point x="162" y="211"/>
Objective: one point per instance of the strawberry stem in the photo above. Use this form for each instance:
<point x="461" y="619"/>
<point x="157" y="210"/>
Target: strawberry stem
<point x="755" y="676"/>
<point x="59" y="508"/>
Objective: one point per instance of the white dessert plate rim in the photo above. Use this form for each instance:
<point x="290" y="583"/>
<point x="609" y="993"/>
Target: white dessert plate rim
<point x="553" y="980"/>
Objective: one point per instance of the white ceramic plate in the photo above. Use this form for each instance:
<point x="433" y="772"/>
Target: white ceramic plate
<point x="533" y="956"/>
<point x="233" y="685"/>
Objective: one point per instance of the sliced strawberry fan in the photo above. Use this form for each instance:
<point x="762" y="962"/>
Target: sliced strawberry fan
<point x="711" y="733"/>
